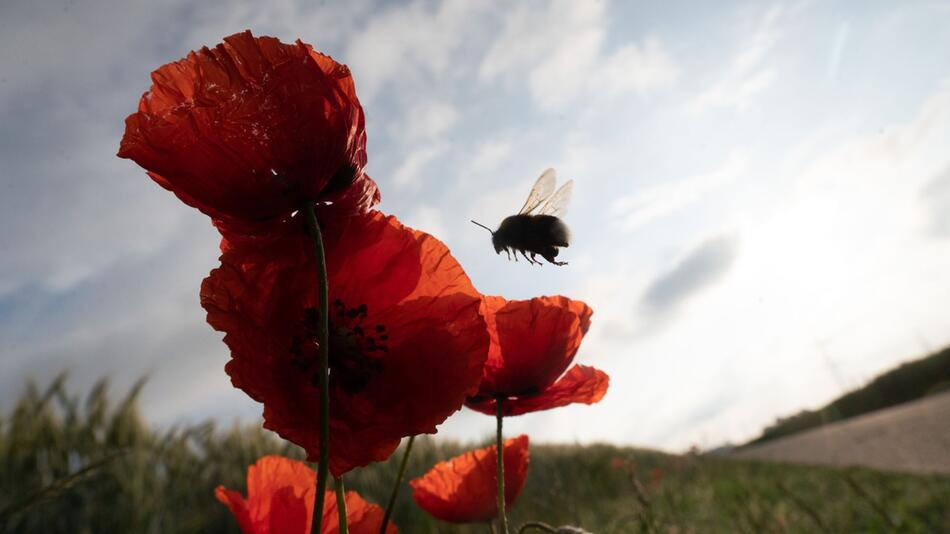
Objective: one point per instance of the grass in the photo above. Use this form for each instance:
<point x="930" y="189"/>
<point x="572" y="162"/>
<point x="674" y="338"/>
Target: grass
<point x="87" y="465"/>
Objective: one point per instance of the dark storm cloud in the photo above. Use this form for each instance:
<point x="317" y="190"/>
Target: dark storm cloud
<point x="936" y="199"/>
<point x="700" y="268"/>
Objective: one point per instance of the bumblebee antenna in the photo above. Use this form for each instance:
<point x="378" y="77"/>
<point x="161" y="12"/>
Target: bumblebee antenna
<point x="485" y="227"/>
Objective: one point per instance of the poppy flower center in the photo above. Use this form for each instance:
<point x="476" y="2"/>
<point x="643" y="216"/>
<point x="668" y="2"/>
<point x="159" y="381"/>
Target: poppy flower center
<point x="342" y="179"/>
<point x="356" y="347"/>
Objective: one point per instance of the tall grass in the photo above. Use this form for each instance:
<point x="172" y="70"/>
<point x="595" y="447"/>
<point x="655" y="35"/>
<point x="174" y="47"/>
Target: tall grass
<point x="87" y="465"/>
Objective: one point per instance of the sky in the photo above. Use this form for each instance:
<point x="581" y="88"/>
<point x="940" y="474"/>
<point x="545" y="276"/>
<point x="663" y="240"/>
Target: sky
<point x="761" y="210"/>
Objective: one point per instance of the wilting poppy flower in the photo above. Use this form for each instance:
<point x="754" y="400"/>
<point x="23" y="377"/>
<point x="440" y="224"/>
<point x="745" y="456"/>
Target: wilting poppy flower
<point x="464" y="489"/>
<point x="533" y="342"/>
<point x="407" y="341"/>
<point x="280" y="501"/>
<point x="251" y="129"/>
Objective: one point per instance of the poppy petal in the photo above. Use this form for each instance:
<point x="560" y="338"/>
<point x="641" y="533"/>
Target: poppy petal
<point x="399" y="305"/>
<point x="238" y="506"/>
<point x="291" y="513"/>
<point x="463" y="489"/>
<point x="251" y="128"/>
<point x="582" y="384"/>
<point x="281" y="497"/>
<point x="533" y="341"/>
<point x="361" y="516"/>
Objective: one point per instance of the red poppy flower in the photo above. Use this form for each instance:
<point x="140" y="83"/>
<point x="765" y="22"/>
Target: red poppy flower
<point x="407" y="341"/>
<point x="463" y="489"/>
<point x="280" y="501"/>
<point x="533" y="342"/>
<point x="252" y="128"/>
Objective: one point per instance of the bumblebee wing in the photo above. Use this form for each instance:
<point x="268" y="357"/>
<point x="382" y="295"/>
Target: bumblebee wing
<point x="557" y="204"/>
<point x="542" y="189"/>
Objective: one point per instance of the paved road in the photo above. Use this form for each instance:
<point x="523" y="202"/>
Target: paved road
<point x="912" y="437"/>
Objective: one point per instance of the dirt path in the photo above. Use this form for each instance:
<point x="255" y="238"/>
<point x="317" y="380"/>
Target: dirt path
<point x="912" y="437"/>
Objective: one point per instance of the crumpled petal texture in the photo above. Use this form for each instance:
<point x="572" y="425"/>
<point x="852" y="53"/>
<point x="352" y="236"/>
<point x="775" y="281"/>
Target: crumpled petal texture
<point x="280" y="496"/>
<point x="532" y="344"/>
<point x="463" y="489"/>
<point x="412" y="297"/>
<point x="582" y="384"/>
<point x="251" y="128"/>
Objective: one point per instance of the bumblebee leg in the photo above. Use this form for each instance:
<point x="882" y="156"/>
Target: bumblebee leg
<point x="516" y="255"/>
<point x="535" y="258"/>
<point x="551" y="260"/>
<point x="508" y="252"/>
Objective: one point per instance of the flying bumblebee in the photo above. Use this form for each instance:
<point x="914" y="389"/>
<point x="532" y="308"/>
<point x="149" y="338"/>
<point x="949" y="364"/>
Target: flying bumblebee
<point x="537" y="234"/>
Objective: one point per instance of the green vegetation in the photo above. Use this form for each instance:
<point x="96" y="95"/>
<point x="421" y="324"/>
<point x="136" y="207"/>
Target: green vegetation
<point x="910" y="381"/>
<point x="88" y="466"/>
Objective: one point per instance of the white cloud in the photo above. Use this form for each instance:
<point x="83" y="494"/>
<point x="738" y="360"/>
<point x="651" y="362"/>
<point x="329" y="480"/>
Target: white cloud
<point x="71" y="208"/>
<point x="420" y="137"/>
<point x="490" y="154"/>
<point x="43" y="42"/>
<point x="429" y="219"/>
<point x="636" y="210"/>
<point x="409" y="175"/>
<point x="750" y="71"/>
<point x="558" y="49"/>
<point x="135" y="317"/>
<point x="837" y="49"/>
<point x="403" y="43"/>
<point x="427" y="121"/>
<point x="935" y="197"/>
<point x="486" y="157"/>
<point x="637" y="69"/>
<point x="835" y="281"/>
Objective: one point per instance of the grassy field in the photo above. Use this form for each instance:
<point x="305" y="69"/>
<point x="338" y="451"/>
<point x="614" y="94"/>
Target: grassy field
<point x="85" y="465"/>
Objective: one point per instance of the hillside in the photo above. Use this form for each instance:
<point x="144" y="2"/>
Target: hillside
<point x="910" y="381"/>
<point x="912" y="437"/>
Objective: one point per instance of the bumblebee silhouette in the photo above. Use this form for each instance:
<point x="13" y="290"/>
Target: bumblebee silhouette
<point x="536" y="234"/>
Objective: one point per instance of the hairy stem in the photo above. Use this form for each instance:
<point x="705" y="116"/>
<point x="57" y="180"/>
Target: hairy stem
<point x="500" y="461"/>
<point x="313" y="228"/>
<point x="341" y="504"/>
<point x="396" y="485"/>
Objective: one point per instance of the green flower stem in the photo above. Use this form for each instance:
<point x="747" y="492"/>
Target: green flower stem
<point x="313" y="227"/>
<point x="341" y="504"/>
<point x="500" y="461"/>
<point x="396" y="485"/>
